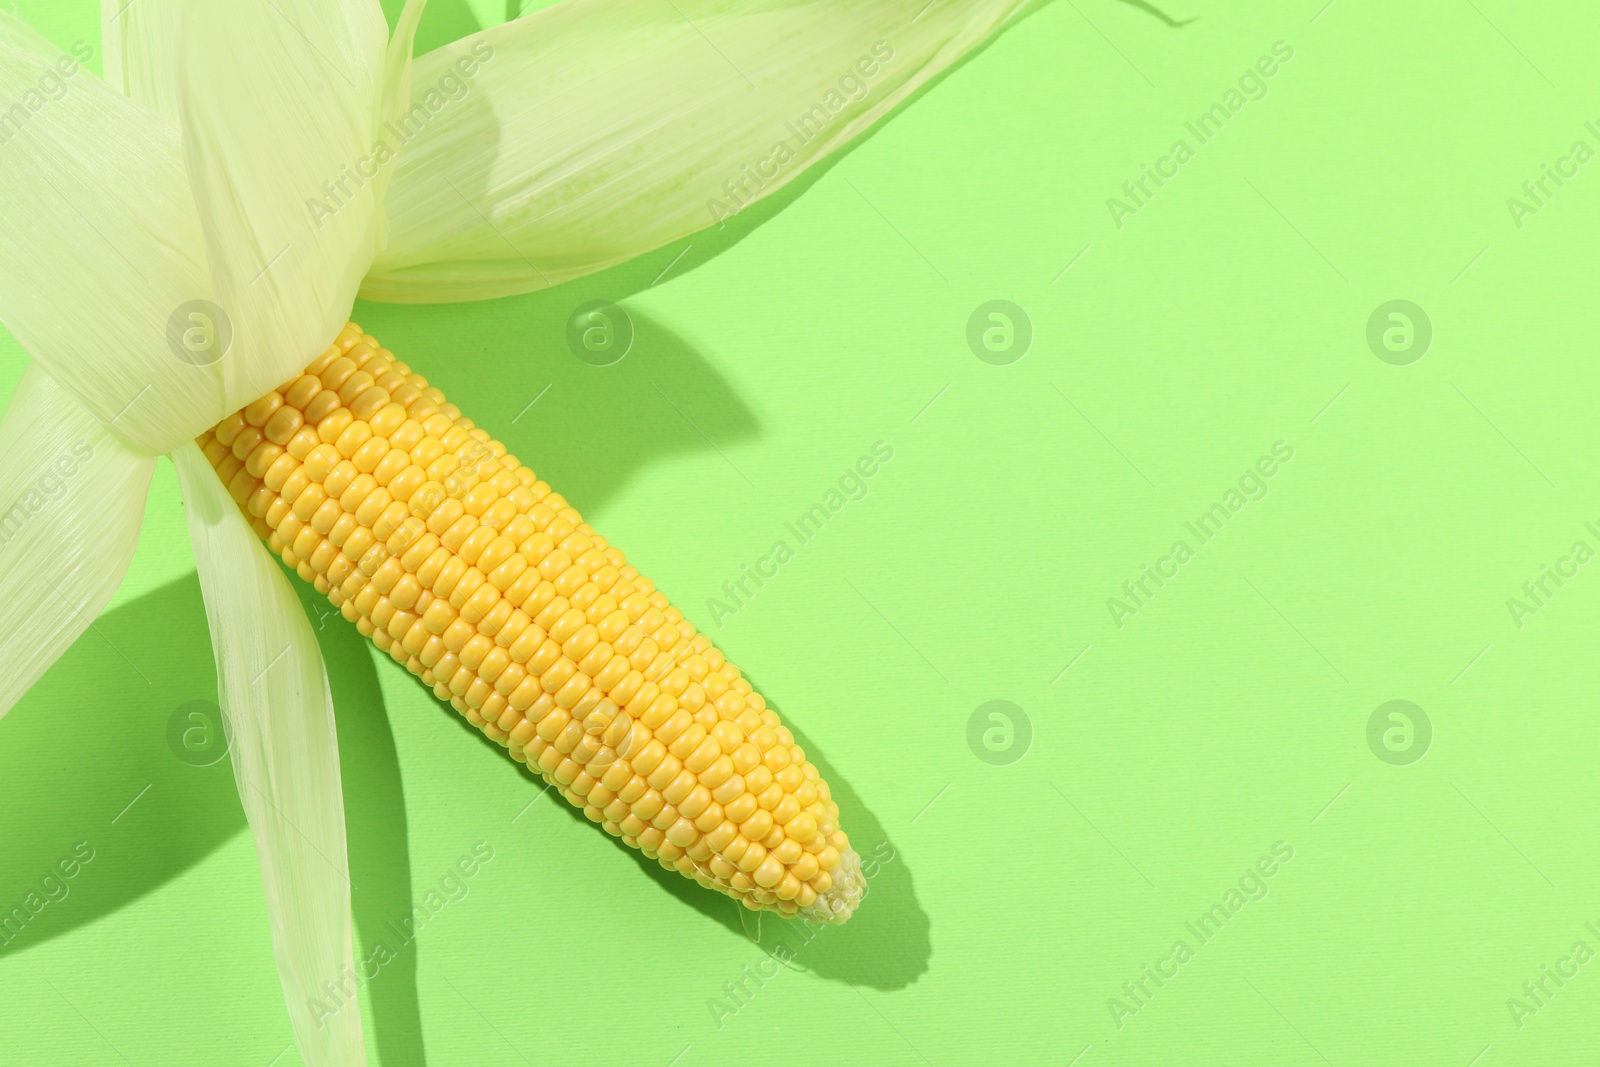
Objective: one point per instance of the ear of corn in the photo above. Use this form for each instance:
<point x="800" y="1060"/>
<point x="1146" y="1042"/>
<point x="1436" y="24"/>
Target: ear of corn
<point x="465" y="568"/>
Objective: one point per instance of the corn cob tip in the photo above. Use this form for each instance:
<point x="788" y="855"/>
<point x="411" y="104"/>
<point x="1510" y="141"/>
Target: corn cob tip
<point x="844" y="896"/>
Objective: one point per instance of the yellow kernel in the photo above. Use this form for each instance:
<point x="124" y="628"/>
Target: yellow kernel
<point x="278" y="474"/>
<point x="307" y="502"/>
<point x="770" y="873"/>
<point x="246" y="442"/>
<point x="786" y="809"/>
<point x="806" y="867"/>
<point x="569" y="623"/>
<point x="545" y="655"/>
<point x="741" y="809"/>
<point x="299" y="394"/>
<point x="558" y="675"/>
<point x="320" y="461"/>
<point x="370" y="454"/>
<point x="372" y="506"/>
<point x="476" y="606"/>
<point x="336" y="373"/>
<point x="757" y="826"/>
<point x="425" y="559"/>
<point x="688" y="742"/>
<point x="282" y="425"/>
<point x="351" y="437"/>
<point x="719" y="774"/>
<point x="387" y="419"/>
<point x="477" y="501"/>
<point x="501" y="672"/>
<point x="580" y="643"/>
<point x="322" y="407"/>
<point x="354" y="386"/>
<point x="407" y="485"/>
<point x="439" y="615"/>
<point x="478" y="539"/>
<point x="571" y="580"/>
<point x="505" y="574"/>
<point x="369" y="402"/>
<point x="703" y="756"/>
<point x="452" y="572"/>
<point x="803" y="827"/>
<point x="788" y="851"/>
<point x="444" y="515"/>
<point x="473" y="652"/>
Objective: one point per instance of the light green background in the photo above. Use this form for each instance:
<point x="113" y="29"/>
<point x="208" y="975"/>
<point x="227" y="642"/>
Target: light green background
<point x="1230" y="713"/>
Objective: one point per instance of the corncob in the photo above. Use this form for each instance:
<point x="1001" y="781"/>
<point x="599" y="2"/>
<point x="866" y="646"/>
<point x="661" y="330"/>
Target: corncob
<point x="465" y="568"/>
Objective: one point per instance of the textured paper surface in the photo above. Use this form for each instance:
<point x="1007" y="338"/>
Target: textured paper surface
<point x="1171" y="761"/>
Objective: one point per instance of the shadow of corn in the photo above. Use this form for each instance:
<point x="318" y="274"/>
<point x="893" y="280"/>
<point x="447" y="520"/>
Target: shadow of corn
<point x="84" y="757"/>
